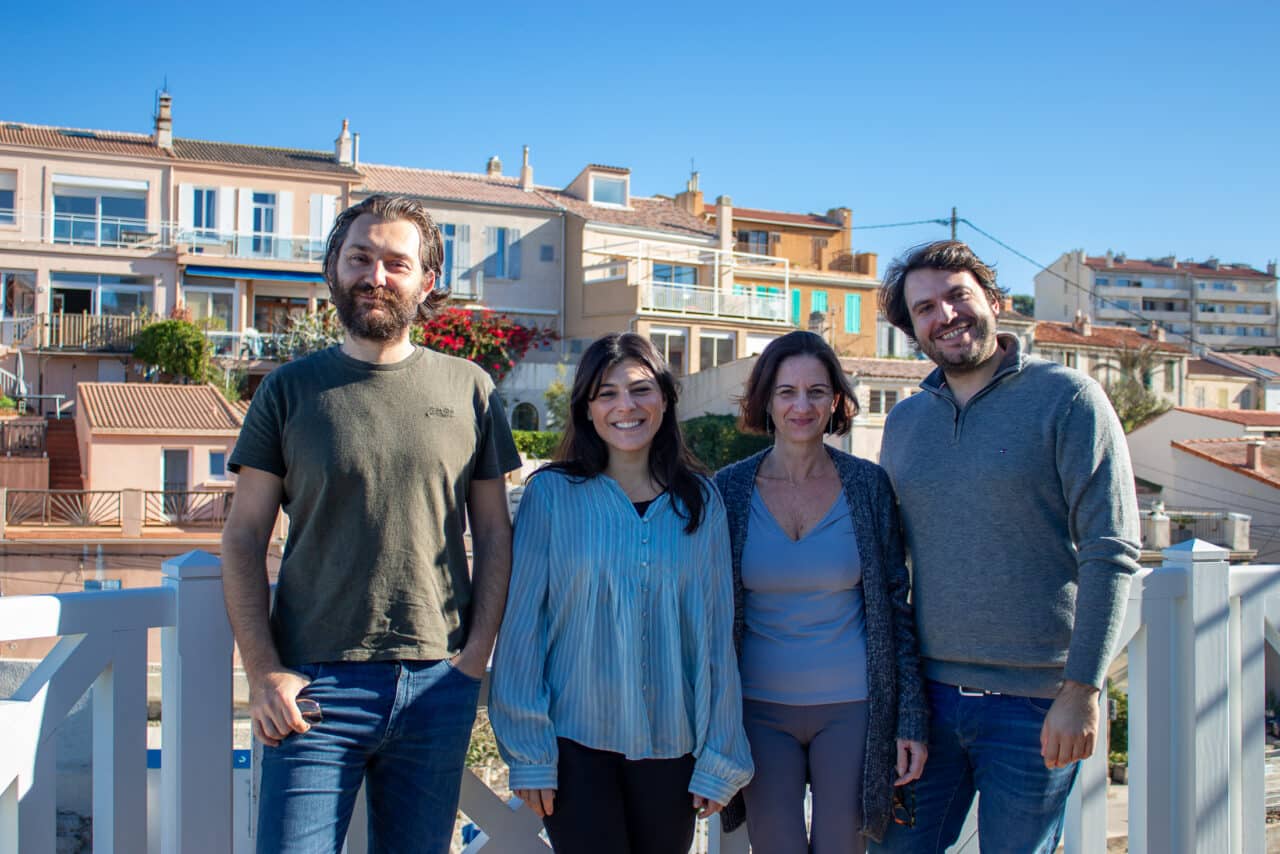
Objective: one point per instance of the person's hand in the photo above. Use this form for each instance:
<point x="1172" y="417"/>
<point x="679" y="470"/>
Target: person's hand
<point x="273" y="705"/>
<point x="1070" y="729"/>
<point x="541" y="801"/>
<point x="471" y="665"/>
<point x="706" y="807"/>
<point x="911" y="759"/>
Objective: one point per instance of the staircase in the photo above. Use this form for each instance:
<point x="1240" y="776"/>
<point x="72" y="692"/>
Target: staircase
<point x="64" y="454"/>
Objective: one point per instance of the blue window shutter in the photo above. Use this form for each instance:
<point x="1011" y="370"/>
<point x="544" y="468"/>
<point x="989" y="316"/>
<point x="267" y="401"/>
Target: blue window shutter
<point x="818" y="301"/>
<point x="491" y="252"/>
<point x="795" y="308"/>
<point x="513" y="253"/>
<point x="853" y="312"/>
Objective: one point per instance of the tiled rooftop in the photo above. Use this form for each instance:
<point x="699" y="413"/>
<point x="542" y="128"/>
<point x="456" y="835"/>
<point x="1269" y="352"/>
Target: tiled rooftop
<point x="453" y="186"/>
<point x="807" y="219"/>
<point x="1112" y="337"/>
<point x="904" y="369"/>
<point x="1247" y="417"/>
<point x="157" y="408"/>
<point x="1194" y="268"/>
<point x="656" y="214"/>
<point x="1203" y="367"/>
<point x="193" y="150"/>
<point x="1233" y="454"/>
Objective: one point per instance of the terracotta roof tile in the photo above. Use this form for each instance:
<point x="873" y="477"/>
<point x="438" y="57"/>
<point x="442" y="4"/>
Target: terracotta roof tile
<point x="156" y="408"/>
<point x="455" y="186"/>
<point x="898" y="369"/>
<point x="1193" y="268"/>
<point x="1112" y="337"/>
<point x="657" y="214"/>
<point x="812" y="220"/>
<point x="194" y="150"/>
<point x="1259" y="364"/>
<point x="1233" y="454"/>
<point x="1203" y="368"/>
<point x="1247" y="417"/>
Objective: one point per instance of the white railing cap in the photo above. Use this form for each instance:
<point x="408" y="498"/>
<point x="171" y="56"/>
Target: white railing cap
<point x="1195" y="550"/>
<point x="193" y="564"/>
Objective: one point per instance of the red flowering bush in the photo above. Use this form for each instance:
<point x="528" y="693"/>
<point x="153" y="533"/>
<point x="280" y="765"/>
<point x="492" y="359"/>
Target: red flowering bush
<point x="493" y="341"/>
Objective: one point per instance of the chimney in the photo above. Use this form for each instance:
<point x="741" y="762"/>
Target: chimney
<point x="342" y="145"/>
<point x="1082" y="324"/>
<point x="1253" y="454"/>
<point x="1212" y="263"/>
<point x="1271" y="268"/>
<point x="1155" y="331"/>
<point x="865" y="263"/>
<point x="1111" y="258"/>
<point x="526" y="172"/>
<point x="494" y="167"/>
<point x="355" y="150"/>
<point x="691" y="199"/>
<point x="842" y="217"/>
<point x="163" y="136"/>
<point x="724" y="222"/>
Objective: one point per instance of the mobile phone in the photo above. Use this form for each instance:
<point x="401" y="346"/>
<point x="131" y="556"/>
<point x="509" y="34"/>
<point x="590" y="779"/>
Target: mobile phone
<point x="310" y="710"/>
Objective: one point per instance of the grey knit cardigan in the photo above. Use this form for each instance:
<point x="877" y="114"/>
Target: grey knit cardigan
<point x="897" y="706"/>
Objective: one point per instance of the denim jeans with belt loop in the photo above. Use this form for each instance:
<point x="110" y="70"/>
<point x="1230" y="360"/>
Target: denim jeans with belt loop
<point x="989" y="744"/>
<point x="402" y="727"/>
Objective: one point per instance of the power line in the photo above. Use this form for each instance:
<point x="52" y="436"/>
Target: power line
<point x="903" y="224"/>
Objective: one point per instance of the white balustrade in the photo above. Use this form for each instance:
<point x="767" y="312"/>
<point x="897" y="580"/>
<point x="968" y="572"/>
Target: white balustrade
<point x="1195" y="633"/>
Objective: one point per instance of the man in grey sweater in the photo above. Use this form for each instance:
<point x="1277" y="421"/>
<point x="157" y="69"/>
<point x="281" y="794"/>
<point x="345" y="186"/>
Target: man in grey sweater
<point x="1018" y="504"/>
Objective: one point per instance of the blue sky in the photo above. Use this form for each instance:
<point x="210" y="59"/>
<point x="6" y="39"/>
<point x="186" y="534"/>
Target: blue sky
<point x="1139" y="127"/>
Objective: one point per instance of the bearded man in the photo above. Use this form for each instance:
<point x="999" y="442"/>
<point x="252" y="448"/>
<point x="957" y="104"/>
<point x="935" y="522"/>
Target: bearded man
<point x="378" y="451"/>
<point x="1017" y="500"/>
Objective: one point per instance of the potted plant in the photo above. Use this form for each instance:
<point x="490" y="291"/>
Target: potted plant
<point x="1118" y="735"/>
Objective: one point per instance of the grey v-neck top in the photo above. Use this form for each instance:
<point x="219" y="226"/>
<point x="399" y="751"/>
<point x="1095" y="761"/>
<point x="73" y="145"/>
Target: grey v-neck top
<point x="805" y="642"/>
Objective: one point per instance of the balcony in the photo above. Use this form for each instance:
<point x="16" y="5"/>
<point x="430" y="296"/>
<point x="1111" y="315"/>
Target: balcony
<point x="210" y="243"/>
<point x="248" y="345"/>
<point x="1193" y="642"/>
<point x="667" y="298"/>
<point x="87" y="230"/>
<point x="81" y="333"/>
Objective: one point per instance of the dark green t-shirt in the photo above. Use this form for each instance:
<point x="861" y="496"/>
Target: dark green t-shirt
<point x="377" y="461"/>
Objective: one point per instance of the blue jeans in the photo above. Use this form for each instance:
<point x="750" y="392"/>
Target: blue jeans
<point x="402" y="727"/>
<point x="990" y="744"/>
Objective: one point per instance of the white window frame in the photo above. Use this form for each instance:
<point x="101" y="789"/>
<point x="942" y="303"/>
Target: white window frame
<point x="625" y="180"/>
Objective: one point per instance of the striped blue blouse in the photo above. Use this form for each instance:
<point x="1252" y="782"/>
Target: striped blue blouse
<point x="618" y="635"/>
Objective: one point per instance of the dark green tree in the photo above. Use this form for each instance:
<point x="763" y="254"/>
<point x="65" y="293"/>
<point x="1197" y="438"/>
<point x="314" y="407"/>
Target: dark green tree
<point x="716" y="441"/>
<point x="177" y="348"/>
<point x="1024" y="304"/>
<point x="1128" y="386"/>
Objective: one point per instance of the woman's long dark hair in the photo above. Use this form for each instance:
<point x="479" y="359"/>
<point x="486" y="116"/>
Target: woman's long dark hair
<point x="583" y="454"/>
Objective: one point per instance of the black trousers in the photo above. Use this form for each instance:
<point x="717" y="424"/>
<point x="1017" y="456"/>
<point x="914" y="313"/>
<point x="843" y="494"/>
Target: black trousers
<point x="608" y="803"/>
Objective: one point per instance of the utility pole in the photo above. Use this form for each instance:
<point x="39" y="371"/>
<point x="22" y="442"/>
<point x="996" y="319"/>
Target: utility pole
<point x="953" y="223"/>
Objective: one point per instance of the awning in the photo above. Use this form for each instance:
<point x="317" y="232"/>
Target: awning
<point x="260" y="275"/>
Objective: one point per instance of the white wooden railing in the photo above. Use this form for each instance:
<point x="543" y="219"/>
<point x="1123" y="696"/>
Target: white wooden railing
<point x="1195" y="635"/>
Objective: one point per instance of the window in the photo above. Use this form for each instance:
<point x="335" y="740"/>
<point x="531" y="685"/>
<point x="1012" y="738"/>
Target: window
<point x="80" y="293"/>
<point x="716" y="348"/>
<point x="1200" y="398"/>
<point x="264" y="223"/>
<point x="217" y="464"/>
<point x="1101" y="281"/>
<point x="272" y="313"/>
<point x="818" y="301"/>
<point x="457" y="257"/>
<point x="211" y="308"/>
<point x="880" y="401"/>
<point x="1224" y="400"/>
<point x="795" y="308"/>
<point x="524" y="417"/>
<point x="546" y="253"/>
<point x="1246" y="399"/>
<point x="672" y="344"/>
<point x="606" y="190"/>
<point x="8" y="190"/>
<point x="675" y="274"/>
<point x="755" y="242"/>
<point x="17" y="293"/>
<point x="853" y="313"/>
<point x="1170" y="375"/>
<point x="502" y="253"/>
<point x="204" y="213"/>
<point x="86" y="215"/>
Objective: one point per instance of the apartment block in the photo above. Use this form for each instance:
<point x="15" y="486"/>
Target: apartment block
<point x="1206" y="304"/>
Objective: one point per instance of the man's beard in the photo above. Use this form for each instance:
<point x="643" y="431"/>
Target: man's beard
<point x="386" y="320"/>
<point x="985" y="346"/>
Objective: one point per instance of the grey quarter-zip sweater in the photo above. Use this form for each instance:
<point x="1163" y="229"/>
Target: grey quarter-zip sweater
<point x="1021" y="524"/>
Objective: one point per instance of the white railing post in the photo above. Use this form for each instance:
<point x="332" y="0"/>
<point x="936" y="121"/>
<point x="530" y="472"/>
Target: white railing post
<point x="719" y="842"/>
<point x="1086" y="819"/>
<point x="195" y="764"/>
<point x="1203" y="726"/>
<point x="1154" y="716"/>
<point x="120" y="747"/>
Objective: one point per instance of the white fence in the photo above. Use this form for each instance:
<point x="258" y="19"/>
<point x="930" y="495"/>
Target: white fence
<point x="1195" y="634"/>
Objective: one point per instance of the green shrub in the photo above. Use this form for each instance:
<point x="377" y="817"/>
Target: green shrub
<point x="715" y="440"/>
<point x="536" y="444"/>
<point x="176" y="347"/>
<point x="1119" y="729"/>
<point x="7" y="402"/>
